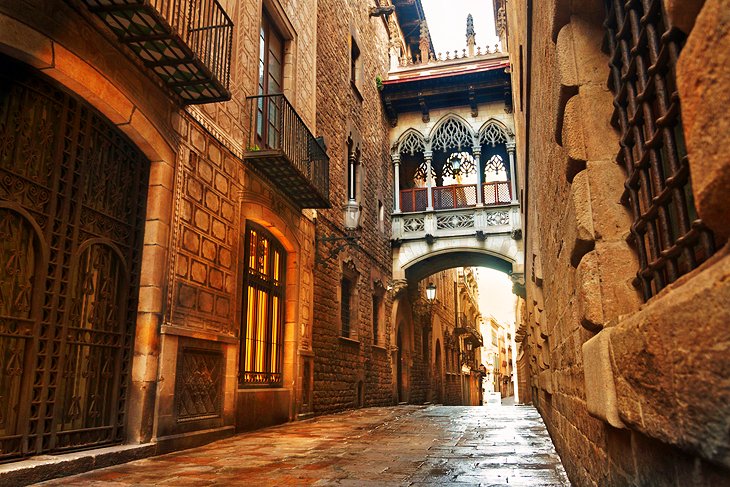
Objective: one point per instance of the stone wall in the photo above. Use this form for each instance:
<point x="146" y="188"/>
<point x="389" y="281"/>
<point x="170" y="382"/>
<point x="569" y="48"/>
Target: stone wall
<point x="611" y="378"/>
<point x="343" y="109"/>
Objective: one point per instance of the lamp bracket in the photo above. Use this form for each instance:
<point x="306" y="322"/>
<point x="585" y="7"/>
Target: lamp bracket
<point x="323" y="257"/>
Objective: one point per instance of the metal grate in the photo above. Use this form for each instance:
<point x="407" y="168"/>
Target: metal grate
<point x="456" y="196"/>
<point x="67" y="319"/>
<point x="669" y="238"/>
<point x="415" y="199"/>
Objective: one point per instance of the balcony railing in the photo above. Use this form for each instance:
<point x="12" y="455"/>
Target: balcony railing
<point x="455" y="196"/>
<point x="187" y="43"/>
<point x="283" y="150"/>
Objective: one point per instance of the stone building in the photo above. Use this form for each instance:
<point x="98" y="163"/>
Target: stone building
<point x="195" y="206"/>
<point x="160" y="222"/>
<point x="623" y="176"/>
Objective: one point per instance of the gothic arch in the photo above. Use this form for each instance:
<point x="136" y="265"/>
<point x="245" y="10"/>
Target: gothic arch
<point x="411" y="141"/>
<point x="494" y="132"/>
<point x="452" y="132"/>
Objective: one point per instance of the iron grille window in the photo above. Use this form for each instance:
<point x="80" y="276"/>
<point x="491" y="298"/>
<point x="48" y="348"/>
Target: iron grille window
<point x="262" y="334"/>
<point x="669" y="237"/>
<point x="345" y="298"/>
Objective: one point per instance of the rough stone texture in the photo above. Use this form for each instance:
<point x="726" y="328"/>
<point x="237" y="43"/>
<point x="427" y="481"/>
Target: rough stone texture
<point x="671" y="349"/>
<point x="703" y="75"/>
<point x="669" y="358"/>
<point x="599" y="385"/>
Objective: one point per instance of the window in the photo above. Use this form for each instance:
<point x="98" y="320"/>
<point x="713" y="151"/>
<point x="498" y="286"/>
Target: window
<point x="669" y="237"/>
<point x="377" y="300"/>
<point x="353" y="168"/>
<point x="262" y="326"/>
<point x="381" y="216"/>
<point x="354" y="63"/>
<point x="345" y="306"/>
<point x="271" y="80"/>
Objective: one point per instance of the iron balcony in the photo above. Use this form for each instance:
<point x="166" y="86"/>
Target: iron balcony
<point x="283" y="150"/>
<point x="187" y="43"/>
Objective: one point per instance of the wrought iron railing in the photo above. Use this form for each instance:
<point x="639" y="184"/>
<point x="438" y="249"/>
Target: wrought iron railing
<point x="275" y="126"/>
<point x="188" y="43"/>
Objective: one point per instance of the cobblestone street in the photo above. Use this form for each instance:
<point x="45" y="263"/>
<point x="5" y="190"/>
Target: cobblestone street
<point x="405" y="445"/>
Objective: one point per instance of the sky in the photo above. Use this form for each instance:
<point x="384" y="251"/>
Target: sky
<point x="495" y="295"/>
<point x="447" y="23"/>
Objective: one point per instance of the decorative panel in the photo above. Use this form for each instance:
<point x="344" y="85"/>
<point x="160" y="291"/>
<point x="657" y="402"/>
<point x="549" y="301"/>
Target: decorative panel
<point x="198" y="386"/>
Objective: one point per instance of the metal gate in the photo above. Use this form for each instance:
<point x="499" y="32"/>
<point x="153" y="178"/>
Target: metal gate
<point x="72" y="195"/>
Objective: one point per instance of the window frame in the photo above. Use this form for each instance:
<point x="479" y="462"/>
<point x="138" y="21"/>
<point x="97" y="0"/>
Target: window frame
<point x="266" y="283"/>
<point x="268" y="30"/>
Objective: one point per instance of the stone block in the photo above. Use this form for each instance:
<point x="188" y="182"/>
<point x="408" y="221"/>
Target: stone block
<point x="703" y="75"/>
<point x="144" y="133"/>
<point x="682" y="13"/>
<point x="546" y="381"/>
<point x="603" y="283"/>
<point x="583" y="239"/>
<point x="587" y="131"/>
<point x="600" y="389"/>
<point x="93" y="86"/>
<point x="579" y="57"/>
<point x="671" y="360"/>
<point x="24" y="43"/>
<point x="159" y="204"/>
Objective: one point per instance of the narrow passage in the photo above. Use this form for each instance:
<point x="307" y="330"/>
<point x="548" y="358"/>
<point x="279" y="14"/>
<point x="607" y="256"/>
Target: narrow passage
<point x="404" y="445"/>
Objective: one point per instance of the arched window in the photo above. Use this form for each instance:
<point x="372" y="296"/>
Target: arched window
<point x="262" y="327"/>
<point x="494" y="169"/>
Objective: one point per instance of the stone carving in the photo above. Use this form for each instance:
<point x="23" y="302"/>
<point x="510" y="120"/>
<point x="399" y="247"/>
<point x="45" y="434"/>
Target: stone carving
<point x="493" y="134"/>
<point x="414" y="224"/>
<point x="497" y="218"/>
<point x="453" y="133"/>
<point x="455" y="221"/>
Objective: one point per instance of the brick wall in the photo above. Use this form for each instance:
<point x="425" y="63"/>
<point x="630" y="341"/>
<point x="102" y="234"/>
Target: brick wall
<point x="340" y="364"/>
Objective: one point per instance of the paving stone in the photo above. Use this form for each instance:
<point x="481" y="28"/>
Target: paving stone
<point x="398" y="446"/>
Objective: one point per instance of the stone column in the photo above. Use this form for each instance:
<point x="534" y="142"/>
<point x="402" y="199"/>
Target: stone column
<point x="477" y="154"/>
<point x="428" y="155"/>
<point x="396" y="181"/>
<point x="512" y="174"/>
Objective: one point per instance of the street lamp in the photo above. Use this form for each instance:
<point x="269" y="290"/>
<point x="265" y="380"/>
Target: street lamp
<point x="431" y="292"/>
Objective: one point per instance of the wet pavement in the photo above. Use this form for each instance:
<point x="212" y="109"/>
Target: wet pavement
<point x="403" y="446"/>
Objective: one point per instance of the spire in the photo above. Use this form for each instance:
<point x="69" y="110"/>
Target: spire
<point x="470" y="35"/>
<point x="424" y="44"/>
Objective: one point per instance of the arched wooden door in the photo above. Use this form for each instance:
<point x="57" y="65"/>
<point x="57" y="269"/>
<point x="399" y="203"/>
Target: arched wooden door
<point x="72" y="206"/>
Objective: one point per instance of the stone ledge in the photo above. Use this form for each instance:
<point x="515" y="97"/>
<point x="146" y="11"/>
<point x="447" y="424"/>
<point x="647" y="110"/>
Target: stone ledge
<point x="680" y="337"/>
<point x="46" y="467"/>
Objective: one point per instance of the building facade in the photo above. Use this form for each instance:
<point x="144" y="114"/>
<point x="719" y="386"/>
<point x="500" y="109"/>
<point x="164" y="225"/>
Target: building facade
<point x="621" y="329"/>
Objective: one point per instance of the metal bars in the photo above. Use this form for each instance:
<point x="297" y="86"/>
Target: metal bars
<point x="669" y="238"/>
<point x="73" y="188"/>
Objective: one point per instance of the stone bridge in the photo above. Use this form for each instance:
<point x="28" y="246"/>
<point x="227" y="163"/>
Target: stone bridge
<point x="425" y="242"/>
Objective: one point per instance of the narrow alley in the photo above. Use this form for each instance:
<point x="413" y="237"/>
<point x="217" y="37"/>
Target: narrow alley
<point x="403" y="445"/>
